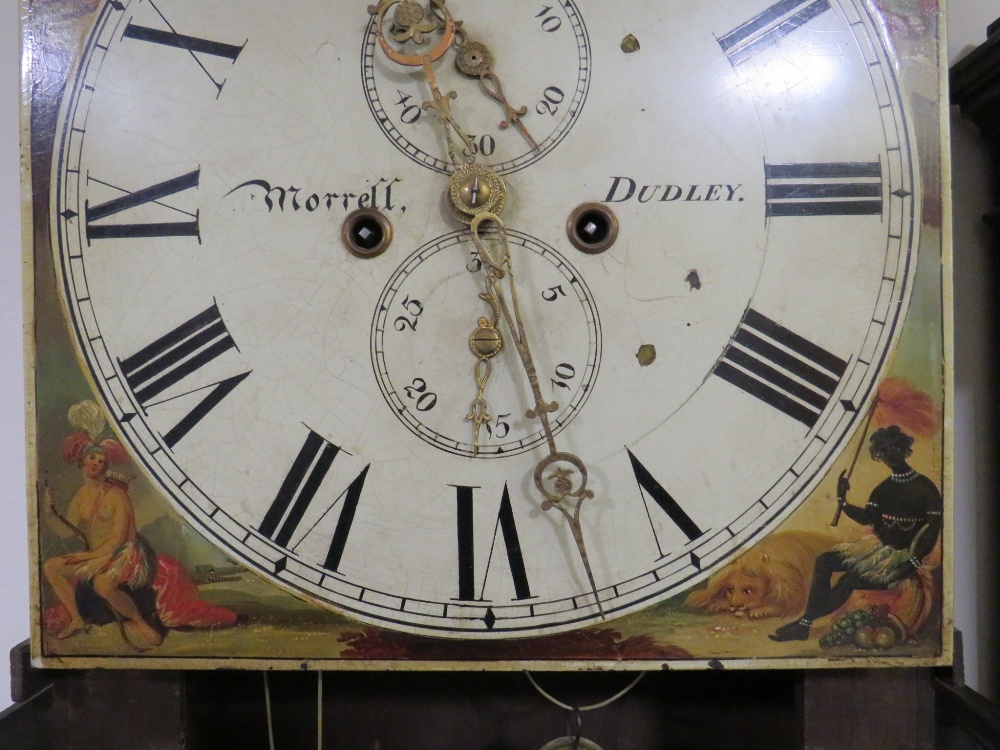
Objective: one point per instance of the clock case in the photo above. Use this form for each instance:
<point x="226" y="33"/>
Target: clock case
<point x="270" y="628"/>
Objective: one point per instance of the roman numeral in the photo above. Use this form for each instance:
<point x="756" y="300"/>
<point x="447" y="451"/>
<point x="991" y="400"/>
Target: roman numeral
<point x="466" y="548"/>
<point x="781" y="368"/>
<point x="176" y="354"/>
<point x="824" y="189"/>
<point x="769" y="27"/>
<point x="351" y="497"/>
<point x="219" y="391"/>
<point x="173" y="357"/>
<point x="297" y="492"/>
<point x="193" y="45"/>
<point x="152" y="194"/>
<point x="664" y="500"/>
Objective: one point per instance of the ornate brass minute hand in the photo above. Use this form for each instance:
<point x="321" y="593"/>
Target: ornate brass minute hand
<point x="560" y="485"/>
<point x="478" y="195"/>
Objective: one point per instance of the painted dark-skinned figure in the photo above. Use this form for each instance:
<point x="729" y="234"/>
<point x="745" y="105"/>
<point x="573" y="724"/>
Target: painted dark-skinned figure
<point x="905" y="514"/>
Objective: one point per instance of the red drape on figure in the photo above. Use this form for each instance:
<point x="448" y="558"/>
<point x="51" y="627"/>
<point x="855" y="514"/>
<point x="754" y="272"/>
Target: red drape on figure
<point x="178" y="604"/>
<point x="177" y="600"/>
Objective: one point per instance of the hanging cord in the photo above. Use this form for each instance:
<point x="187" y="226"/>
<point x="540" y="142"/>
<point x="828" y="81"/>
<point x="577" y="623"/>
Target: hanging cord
<point x="578" y="732"/>
<point x="580" y="709"/>
<point x="576" y="712"/>
<point x="267" y="705"/>
<point x="319" y="710"/>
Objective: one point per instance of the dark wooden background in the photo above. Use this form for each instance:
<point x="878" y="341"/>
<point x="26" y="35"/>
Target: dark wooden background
<point x="886" y="709"/>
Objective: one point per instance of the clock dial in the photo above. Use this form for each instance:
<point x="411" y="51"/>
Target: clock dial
<point x="423" y="360"/>
<point x="542" y="56"/>
<point x="306" y="408"/>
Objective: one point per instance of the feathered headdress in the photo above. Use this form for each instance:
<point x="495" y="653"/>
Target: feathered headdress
<point x="91" y="434"/>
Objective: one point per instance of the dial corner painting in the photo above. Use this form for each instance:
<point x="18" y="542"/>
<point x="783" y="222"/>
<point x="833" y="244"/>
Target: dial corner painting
<point x="423" y="336"/>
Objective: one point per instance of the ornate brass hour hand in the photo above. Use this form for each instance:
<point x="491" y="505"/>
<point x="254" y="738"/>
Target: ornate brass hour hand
<point x="411" y="22"/>
<point x="412" y="17"/>
<point x="485" y="342"/>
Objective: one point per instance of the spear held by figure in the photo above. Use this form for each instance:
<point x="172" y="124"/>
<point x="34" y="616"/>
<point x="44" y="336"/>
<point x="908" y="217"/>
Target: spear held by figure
<point x="896" y="403"/>
<point x="45" y="492"/>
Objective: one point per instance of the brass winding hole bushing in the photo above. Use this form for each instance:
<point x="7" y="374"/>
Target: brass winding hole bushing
<point x="592" y="228"/>
<point x="366" y="233"/>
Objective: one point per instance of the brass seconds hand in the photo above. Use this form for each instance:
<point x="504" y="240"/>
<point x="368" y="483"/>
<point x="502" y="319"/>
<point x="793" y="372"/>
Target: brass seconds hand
<point x="478" y="196"/>
<point x="474" y="59"/>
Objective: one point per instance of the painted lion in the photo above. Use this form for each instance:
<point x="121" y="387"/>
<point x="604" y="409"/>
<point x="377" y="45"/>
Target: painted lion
<point x="770" y="579"/>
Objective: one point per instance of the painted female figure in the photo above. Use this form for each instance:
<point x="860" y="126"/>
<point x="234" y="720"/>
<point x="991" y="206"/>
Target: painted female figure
<point x="116" y="558"/>
<point x="146" y="592"/>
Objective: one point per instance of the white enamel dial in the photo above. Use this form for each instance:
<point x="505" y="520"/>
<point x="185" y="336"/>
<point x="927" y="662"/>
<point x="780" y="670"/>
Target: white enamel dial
<point x="757" y="159"/>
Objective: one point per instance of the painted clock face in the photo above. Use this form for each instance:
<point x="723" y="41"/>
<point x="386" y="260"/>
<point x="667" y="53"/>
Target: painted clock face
<point x="307" y="408"/>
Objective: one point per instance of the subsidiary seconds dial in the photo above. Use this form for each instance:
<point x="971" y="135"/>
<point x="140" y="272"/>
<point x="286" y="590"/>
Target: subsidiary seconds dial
<point x="551" y="81"/>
